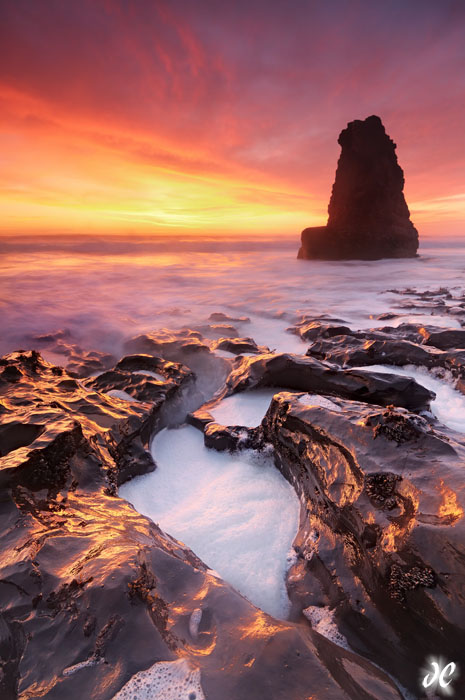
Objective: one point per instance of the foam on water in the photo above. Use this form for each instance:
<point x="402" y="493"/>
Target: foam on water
<point x="165" y="680"/>
<point x="232" y="355"/>
<point x="120" y="394"/>
<point x="317" y="400"/>
<point x="246" y="408"/>
<point x="446" y="321"/>
<point x="273" y="333"/>
<point x="322" y="621"/>
<point x="148" y="373"/>
<point x="88" y="663"/>
<point x="176" y="283"/>
<point x="235" y="511"/>
<point x="225" y="353"/>
<point x="449" y="404"/>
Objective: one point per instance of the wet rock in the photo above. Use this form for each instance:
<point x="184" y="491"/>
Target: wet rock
<point x="190" y="348"/>
<point x="310" y="375"/>
<point x="143" y="377"/>
<point x="383" y="529"/>
<point x="10" y="374"/>
<point x="78" y="362"/>
<point x="15" y="434"/>
<point x="92" y="592"/>
<point x="354" y="351"/>
<point x="200" y="419"/>
<point x="220" y="317"/>
<point x="240" y="345"/>
<point x="168" y="344"/>
<point x="221" y="437"/>
<point x="317" y="329"/>
<point x="388" y="316"/>
<point x="447" y="339"/>
<point x="368" y="216"/>
<point x="81" y="363"/>
<point x="218" y="330"/>
<point x="396" y="425"/>
<point x="379" y="347"/>
<point x="50" y="420"/>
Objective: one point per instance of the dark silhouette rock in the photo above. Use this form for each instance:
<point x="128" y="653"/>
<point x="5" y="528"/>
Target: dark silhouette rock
<point x="368" y="215"/>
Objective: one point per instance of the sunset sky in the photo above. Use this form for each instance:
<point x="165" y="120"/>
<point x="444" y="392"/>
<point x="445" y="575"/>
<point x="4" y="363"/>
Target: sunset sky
<point x="218" y="117"/>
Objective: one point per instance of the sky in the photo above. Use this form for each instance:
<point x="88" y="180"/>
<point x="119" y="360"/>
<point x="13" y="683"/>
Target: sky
<point x="221" y="117"/>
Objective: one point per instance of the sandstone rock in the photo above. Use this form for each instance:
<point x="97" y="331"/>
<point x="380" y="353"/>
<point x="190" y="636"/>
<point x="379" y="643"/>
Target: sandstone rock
<point x="384" y="540"/>
<point x="92" y="592"/>
<point x="220" y="317"/>
<point x="368" y="216"/>
<point x="446" y="339"/>
<point x="308" y="374"/>
<point x="404" y="345"/>
<point x="362" y="350"/>
<point x="317" y="329"/>
<point x="239" y="345"/>
<point x="168" y="343"/>
<point x="143" y="377"/>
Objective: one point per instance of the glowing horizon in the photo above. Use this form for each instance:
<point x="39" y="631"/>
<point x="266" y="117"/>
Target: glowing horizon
<point x="170" y="118"/>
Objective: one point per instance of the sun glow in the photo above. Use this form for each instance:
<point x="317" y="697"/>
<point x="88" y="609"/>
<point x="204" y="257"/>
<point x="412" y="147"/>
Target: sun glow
<point x="161" y="120"/>
<point x="68" y="175"/>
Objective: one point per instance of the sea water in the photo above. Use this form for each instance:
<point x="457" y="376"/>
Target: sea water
<point x="102" y="291"/>
<point x="235" y="511"/>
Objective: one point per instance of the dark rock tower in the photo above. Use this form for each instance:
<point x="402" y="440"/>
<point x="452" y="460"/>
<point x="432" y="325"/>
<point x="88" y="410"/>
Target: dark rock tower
<point x="368" y="215"/>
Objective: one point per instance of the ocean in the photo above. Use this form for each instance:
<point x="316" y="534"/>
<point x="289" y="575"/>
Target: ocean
<point x="102" y="291"/>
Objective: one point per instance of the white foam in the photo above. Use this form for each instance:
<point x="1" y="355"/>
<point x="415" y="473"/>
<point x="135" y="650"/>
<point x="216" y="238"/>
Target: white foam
<point x="148" y="373"/>
<point x="232" y="355"/>
<point x="317" y="400"/>
<point x="273" y="333"/>
<point x="425" y="320"/>
<point x="258" y="281"/>
<point x="194" y="622"/>
<point x="322" y="621"/>
<point x="120" y="394"/>
<point x="449" y="404"/>
<point x="246" y="408"/>
<point x="88" y="663"/>
<point x="225" y="353"/>
<point x="165" y="680"/>
<point x="235" y="511"/>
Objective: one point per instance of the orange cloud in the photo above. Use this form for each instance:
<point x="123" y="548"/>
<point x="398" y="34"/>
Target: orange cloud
<point x="175" y="116"/>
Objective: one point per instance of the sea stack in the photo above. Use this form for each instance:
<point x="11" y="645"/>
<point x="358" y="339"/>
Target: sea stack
<point x="368" y="215"/>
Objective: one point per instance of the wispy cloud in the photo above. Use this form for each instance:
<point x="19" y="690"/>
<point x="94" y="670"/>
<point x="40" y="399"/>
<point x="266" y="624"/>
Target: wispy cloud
<point x="109" y="109"/>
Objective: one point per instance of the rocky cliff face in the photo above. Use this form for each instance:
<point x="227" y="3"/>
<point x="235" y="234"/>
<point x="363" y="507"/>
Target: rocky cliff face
<point x="368" y="215"/>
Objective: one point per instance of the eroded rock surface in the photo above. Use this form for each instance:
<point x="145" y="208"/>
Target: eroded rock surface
<point x="91" y="592"/>
<point x="381" y="546"/>
<point x="308" y="374"/>
<point x="383" y="542"/>
<point x="406" y="344"/>
<point x="368" y="215"/>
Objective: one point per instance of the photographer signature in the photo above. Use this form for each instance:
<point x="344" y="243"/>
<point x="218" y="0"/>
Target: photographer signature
<point x="439" y="677"/>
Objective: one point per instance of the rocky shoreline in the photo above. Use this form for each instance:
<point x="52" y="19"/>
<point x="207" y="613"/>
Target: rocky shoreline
<point x="93" y="593"/>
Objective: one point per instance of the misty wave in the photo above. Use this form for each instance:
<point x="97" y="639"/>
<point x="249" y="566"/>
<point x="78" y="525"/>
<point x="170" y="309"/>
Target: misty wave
<point x="105" y="290"/>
